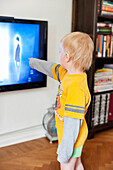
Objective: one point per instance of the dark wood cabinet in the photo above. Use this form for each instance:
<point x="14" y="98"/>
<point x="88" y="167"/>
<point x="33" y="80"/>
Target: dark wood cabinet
<point x="85" y="19"/>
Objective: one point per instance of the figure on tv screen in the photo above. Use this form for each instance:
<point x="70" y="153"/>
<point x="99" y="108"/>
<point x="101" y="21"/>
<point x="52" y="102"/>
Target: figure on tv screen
<point x="17" y="56"/>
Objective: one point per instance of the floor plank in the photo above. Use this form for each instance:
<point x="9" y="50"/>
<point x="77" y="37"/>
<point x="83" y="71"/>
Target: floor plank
<point x="39" y="154"/>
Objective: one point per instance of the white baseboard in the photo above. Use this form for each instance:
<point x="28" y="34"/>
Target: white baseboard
<point x="23" y="135"/>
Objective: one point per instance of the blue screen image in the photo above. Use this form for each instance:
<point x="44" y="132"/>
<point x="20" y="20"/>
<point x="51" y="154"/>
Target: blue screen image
<point x="18" y="42"/>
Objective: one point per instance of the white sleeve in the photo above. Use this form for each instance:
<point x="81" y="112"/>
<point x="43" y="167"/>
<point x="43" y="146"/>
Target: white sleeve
<point x="70" y="134"/>
<point x="42" y="66"/>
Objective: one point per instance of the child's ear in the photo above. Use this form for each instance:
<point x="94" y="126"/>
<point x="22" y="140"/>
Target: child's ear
<point x="67" y="58"/>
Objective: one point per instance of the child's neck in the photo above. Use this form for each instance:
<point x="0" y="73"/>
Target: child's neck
<point x="75" y="71"/>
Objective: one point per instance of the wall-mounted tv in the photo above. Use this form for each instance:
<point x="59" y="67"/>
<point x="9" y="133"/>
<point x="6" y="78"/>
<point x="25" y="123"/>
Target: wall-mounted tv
<point x="21" y="39"/>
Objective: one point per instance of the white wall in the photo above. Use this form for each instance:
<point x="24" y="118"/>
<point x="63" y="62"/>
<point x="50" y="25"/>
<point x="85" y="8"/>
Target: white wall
<point x="25" y="109"/>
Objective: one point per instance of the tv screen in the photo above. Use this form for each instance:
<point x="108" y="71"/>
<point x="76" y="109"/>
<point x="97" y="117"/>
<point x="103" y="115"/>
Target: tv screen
<point x="21" y="39"/>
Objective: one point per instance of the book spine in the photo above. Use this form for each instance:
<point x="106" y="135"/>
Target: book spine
<point x="97" y="42"/>
<point x="100" y="104"/>
<point x="111" y="46"/>
<point x="104" y="48"/>
<point x="96" y="110"/>
<point x="104" y="38"/>
<point x="102" y="44"/>
<point x="105" y="8"/>
<point x="107" y="4"/>
<point x="102" y="109"/>
<point x="107" y="107"/>
<point x="99" y="47"/>
<point x="93" y="111"/>
<point x="110" y="111"/>
<point x="106" y="45"/>
<point x="107" y="13"/>
<point x="104" y="30"/>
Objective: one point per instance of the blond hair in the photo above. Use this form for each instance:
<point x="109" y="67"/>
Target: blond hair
<point x="80" y="48"/>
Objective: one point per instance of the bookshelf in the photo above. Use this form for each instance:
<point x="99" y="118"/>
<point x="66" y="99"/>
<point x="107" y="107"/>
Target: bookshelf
<point x="85" y="18"/>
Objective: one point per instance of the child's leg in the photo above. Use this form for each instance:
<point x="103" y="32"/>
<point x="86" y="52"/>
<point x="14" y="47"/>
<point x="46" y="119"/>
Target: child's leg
<point x="79" y="165"/>
<point x="70" y="165"/>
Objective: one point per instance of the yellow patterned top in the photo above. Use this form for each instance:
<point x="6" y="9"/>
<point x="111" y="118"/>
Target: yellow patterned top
<point x="73" y="99"/>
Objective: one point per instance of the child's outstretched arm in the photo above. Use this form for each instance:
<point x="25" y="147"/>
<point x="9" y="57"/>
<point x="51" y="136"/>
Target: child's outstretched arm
<point x="42" y="66"/>
<point x="51" y="69"/>
<point x="70" y="134"/>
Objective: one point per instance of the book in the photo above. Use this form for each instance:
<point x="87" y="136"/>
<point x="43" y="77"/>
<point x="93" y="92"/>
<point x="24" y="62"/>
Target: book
<point x="104" y="24"/>
<point x="107" y="13"/>
<point x="100" y="107"/>
<point x="110" y="110"/>
<point x="96" y="110"/>
<point x="102" y="88"/>
<point x="107" y="8"/>
<point x="103" y="80"/>
<point x="109" y="67"/>
<point x="102" y="110"/>
<point x="104" y="40"/>
<point x="111" y="50"/>
<point x="106" y="108"/>
<point x="107" y="48"/>
<point x="100" y="52"/>
<point x="97" y="43"/>
<point x="104" y="30"/>
<point x="102" y="44"/>
<point x="105" y="71"/>
<point x="109" y="45"/>
<point x="104" y="47"/>
<point x="93" y="111"/>
<point x="107" y="3"/>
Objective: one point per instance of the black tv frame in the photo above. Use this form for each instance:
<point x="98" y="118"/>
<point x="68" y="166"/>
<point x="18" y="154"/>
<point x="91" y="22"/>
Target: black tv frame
<point x="43" y="27"/>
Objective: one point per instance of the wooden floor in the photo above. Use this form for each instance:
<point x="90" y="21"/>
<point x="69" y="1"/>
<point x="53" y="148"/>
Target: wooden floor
<point x="41" y="155"/>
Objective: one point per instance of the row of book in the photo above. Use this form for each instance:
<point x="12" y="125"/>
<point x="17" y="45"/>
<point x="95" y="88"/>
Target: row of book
<point x="105" y="7"/>
<point x="102" y="109"/>
<point x="104" y="41"/>
<point x="103" y="79"/>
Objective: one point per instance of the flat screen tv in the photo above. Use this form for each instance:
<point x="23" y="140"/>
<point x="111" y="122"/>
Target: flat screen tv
<point x="21" y="39"/>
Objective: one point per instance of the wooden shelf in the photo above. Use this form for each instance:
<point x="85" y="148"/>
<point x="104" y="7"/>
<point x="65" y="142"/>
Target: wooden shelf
<point x="99" y="128"/>
<point x="105" y="17"/>
<point x="104" y="33"/>
<point x="107" y="59"/>
<point x="85" y="19"/>
<point x="100" y="61"/>
<point x="103" y="92"/>
<point x="104" y="126"/>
